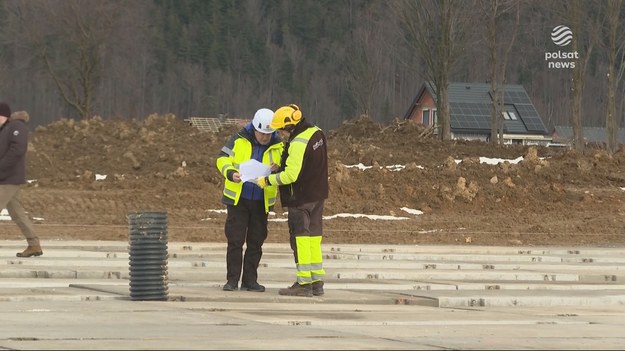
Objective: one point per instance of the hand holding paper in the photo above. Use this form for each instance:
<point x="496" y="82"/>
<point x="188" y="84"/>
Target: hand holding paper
<point x="261" y="182"/>
<point x="252" y="169"/>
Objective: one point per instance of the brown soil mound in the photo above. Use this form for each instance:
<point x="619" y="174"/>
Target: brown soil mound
<point x="550" y="197"/>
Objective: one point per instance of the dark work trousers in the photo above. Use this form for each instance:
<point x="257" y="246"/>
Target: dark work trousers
<point x="246" y="223"/>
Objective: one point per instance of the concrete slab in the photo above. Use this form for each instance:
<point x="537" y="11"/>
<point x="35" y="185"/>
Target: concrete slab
<point x="76" y="296"/>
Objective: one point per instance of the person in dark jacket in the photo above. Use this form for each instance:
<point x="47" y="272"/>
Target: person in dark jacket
<point x="247" y="204"/>
<point x="13" y="148"/>
<point x="303" y="182"/>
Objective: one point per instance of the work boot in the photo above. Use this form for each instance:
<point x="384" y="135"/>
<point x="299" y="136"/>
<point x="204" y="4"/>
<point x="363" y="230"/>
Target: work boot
<point x="297" y="290"/>
<point x="317" y="288"/>
<point x="230" y="286"/>
<point x="252" y="287"/>
<point x="31" y="250"/>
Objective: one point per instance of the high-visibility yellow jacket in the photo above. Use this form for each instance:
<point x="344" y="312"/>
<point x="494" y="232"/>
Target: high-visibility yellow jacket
<point x="238" y="150"/>
<point x="303" y="175"/>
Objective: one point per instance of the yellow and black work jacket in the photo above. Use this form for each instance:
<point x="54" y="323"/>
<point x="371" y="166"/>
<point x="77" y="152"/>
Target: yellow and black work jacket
<point x="237" y="150"/>
<point x="303" y="175"/>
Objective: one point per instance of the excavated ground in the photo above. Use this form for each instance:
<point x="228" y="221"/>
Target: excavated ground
<point x="551" y="197"/>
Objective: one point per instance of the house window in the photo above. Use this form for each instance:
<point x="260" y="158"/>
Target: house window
<point x="426" y="118"/>
<point x="435" y="118"/>
<point x="509" y="113"/>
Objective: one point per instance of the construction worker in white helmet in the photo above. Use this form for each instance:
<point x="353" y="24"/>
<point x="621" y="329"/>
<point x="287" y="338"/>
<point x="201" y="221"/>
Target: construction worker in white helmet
<point x="248" y="204"/>
<point x="303" y="183"/>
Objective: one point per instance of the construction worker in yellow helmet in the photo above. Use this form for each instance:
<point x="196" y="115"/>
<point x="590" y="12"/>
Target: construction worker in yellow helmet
<point x="302" y="179"/>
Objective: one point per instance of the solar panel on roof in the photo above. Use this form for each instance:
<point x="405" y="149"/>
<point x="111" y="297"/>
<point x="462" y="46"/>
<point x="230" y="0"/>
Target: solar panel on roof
<point x="516" y="97"/>
<point x="512" y="126"/>
<point x="530" y="118"/>
<point x="470" y="115"/>
<point x="477" y="115"/>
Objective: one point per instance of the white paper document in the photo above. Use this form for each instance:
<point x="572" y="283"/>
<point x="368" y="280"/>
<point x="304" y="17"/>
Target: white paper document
<point x="253" y="169"/>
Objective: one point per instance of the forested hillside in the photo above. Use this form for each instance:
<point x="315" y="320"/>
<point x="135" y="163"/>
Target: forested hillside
<point x="336" y="59"/>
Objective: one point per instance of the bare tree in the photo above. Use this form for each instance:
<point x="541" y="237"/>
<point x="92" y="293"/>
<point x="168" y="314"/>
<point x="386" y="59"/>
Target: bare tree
<point x="365" y="65"/>
<point x="584" y="41"/>
<point x="436" y="30"/>
<point x="616" y="67"/>
<point x="493" y="11"/>
<point x="69" y="37"/>
<point x="575" y="16"/>
<point x="126" y="86"/>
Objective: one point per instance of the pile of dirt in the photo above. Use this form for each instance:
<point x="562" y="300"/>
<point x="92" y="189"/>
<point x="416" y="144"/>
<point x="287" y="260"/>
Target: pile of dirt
<point x="549" y="197"/>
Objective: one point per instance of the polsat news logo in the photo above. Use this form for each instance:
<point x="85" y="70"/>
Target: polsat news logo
<point x="561" y="36"/>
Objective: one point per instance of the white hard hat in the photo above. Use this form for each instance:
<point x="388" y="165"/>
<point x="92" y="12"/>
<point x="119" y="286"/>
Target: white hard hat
<point x="262" y="120"/>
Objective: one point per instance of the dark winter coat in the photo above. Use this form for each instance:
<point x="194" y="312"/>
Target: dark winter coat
<point x="13" y="147"/>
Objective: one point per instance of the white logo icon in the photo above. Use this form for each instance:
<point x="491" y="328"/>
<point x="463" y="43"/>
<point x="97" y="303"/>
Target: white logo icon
<point x="561" y="35"/>
<point x="16" y="133"/>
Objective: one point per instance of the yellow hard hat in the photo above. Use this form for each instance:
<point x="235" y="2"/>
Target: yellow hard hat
<point x="285" y="116"/>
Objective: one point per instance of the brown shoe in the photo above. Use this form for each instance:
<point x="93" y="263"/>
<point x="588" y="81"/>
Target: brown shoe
<point x="34" y="250"/>
<point x="317" y="288"/>
<point x="297" y="290"/>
